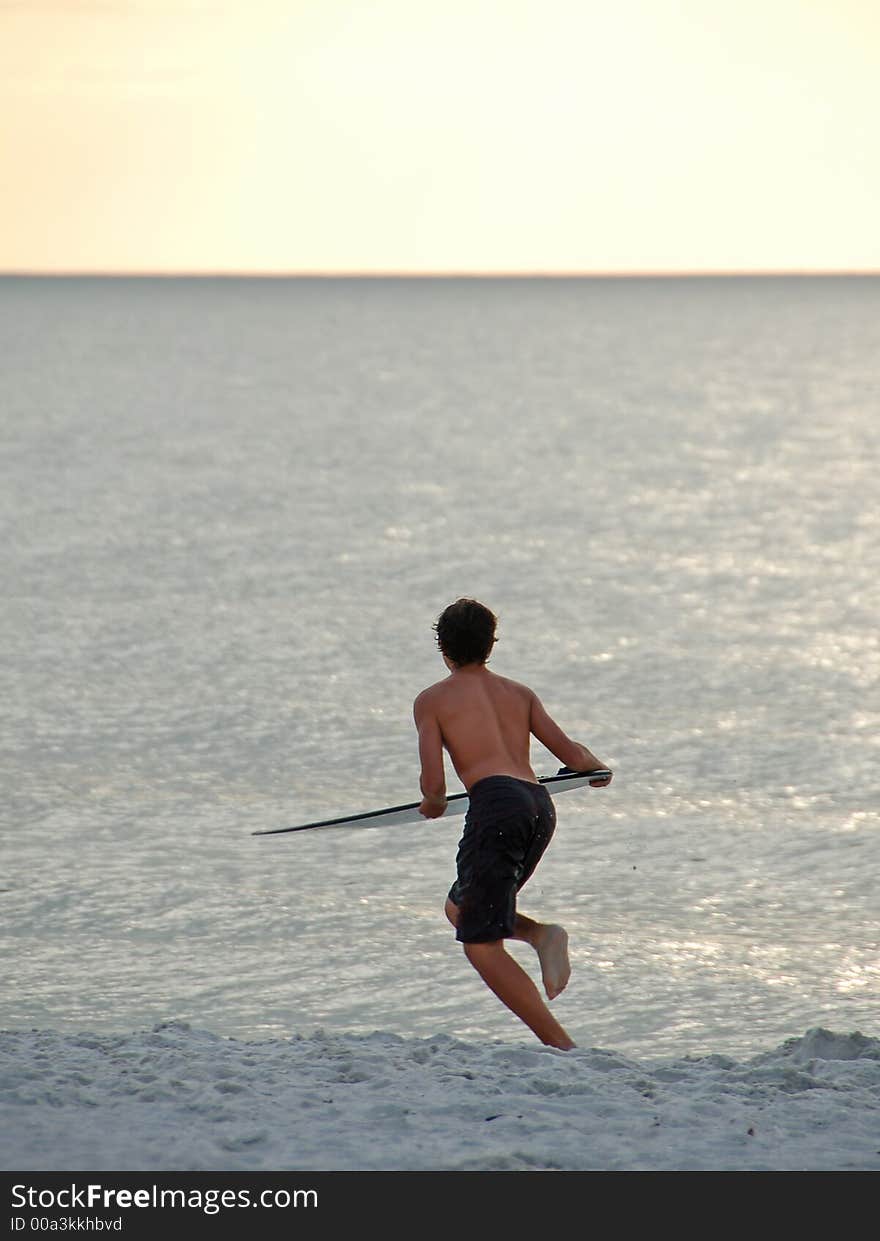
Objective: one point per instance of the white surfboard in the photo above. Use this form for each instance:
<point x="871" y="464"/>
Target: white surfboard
<point x="564" y="779"/>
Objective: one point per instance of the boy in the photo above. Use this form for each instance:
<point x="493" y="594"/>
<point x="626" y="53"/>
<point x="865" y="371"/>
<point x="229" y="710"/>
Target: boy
<point x="486" y="722"/>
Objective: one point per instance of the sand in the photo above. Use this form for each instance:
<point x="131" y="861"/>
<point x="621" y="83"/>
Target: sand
<point x="181" y="1098"/>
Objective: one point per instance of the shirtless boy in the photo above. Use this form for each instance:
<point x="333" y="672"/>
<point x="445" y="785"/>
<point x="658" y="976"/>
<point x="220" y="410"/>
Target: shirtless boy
<point x="486" y="723"/>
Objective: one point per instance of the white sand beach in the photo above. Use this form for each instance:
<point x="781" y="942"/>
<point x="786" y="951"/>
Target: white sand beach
<point x="184" y="1099"/>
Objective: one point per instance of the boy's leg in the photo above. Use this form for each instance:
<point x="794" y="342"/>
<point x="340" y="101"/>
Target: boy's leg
<point x="512" y="984"/>
<point x="514" y="988"/>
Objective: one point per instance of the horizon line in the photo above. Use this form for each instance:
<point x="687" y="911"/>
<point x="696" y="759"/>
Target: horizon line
<point x="435" y="274"/>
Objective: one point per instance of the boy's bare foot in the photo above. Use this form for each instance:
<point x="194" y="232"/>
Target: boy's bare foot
<point x="551" y="946"/>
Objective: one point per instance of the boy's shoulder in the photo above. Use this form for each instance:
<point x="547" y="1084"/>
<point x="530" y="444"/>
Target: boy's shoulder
<point x="434" y="694"/>
<point x="517" y="686"/>
<point x="429" y="695"/>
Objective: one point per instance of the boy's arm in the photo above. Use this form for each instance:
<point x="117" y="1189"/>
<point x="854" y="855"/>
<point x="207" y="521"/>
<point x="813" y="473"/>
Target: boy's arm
<point x="432" y="779"/>
<point x="571" y="753"/>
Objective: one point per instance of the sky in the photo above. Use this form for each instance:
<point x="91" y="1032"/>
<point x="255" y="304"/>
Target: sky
<point x="558" y="136"/>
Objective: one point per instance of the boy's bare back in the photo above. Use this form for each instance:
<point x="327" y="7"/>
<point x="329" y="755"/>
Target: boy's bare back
<point x="483" y="720"/>
<point x="486" y="723"/>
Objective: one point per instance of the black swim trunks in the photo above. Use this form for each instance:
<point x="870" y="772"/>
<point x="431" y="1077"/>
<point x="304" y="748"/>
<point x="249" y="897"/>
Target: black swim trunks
<point x="508" y="826"/>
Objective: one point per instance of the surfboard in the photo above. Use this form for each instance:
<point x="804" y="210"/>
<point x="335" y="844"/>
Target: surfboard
<point x="389" y="816"/>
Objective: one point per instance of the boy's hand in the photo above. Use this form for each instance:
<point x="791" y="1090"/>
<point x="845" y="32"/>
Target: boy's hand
<point x="432" y="807"/>
<point x="598" y="776"/>
<point x="601" y="781"/>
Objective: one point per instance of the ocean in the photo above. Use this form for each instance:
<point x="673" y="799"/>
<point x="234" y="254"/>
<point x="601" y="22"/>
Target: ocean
<point x="232" y="510"/>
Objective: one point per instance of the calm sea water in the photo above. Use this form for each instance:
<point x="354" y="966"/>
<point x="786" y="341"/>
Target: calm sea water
<point x="232" y="510"/>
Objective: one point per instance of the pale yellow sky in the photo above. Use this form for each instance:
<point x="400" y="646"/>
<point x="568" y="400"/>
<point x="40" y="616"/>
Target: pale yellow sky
<point x="439" y="135"/>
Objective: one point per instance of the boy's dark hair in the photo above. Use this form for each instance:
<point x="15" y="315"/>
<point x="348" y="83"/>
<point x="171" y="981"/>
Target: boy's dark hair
<point x="466" y="632"/>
